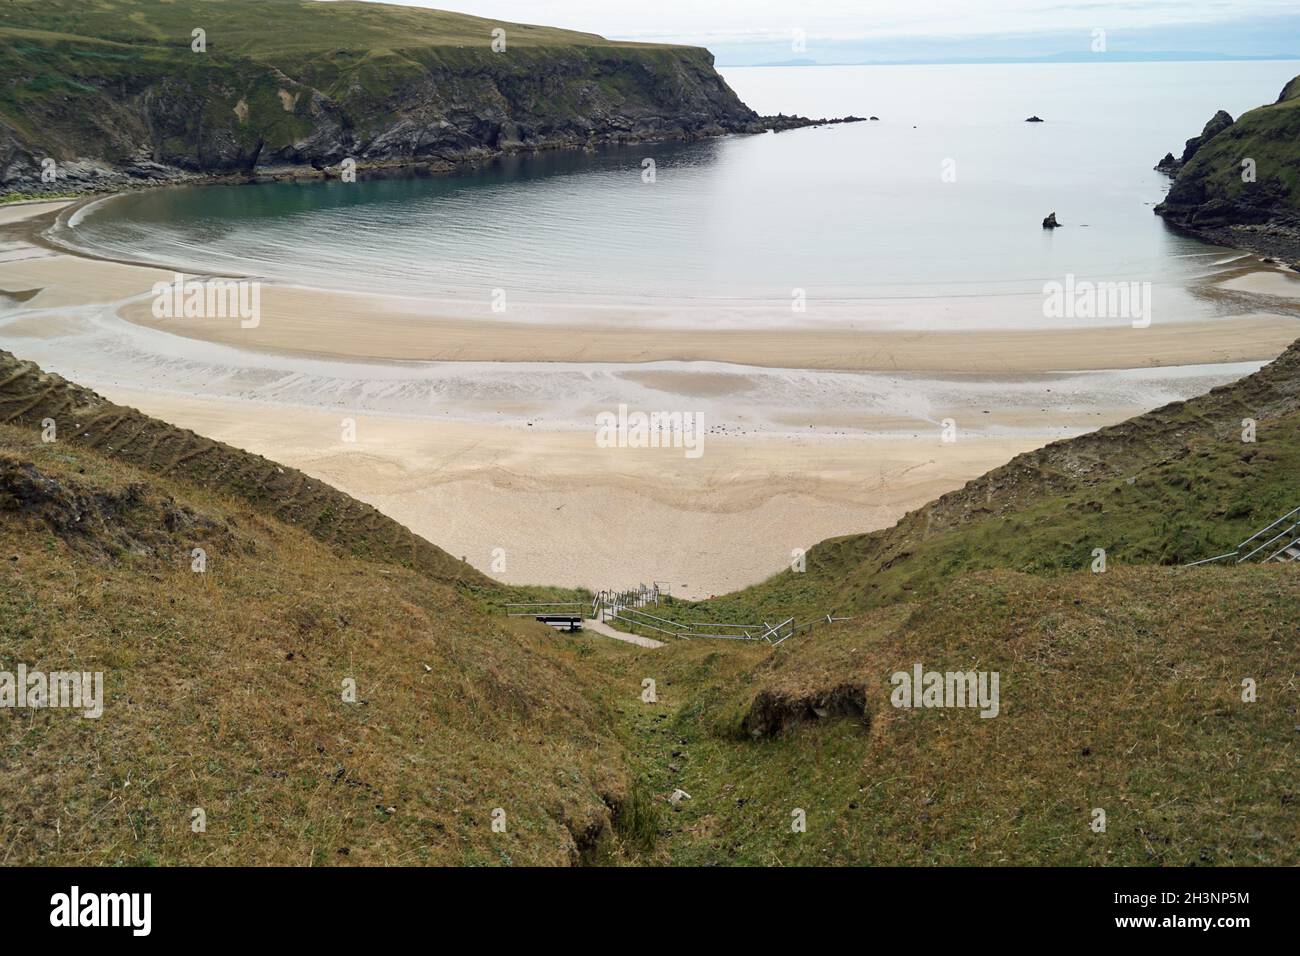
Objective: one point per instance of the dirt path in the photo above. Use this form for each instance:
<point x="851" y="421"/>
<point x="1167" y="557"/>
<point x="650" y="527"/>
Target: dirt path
<point x="600" y="627"/>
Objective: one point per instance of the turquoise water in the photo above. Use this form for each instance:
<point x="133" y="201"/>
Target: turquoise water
<point x="848" y="212"/>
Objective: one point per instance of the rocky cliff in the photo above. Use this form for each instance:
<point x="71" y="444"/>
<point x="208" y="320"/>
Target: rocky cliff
<point x="1239" y="183"/>
<point x="116" y="90"/>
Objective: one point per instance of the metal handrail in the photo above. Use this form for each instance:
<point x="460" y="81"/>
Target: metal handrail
<point x="1290" y="544"/>
<point x="661" y="620"/>
<point x="1280" y="534"/>
<point x="647" y="626"/>
<point x="1230" y="554"/>
<point x="1261" y="531"/>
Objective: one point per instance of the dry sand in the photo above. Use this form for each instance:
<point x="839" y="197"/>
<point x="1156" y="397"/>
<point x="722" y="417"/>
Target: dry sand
<point x="506" y="458"/>
<point x="567" y="512"/>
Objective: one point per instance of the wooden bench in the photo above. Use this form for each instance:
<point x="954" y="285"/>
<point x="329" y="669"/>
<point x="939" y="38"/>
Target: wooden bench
<point x="561" y="622"/>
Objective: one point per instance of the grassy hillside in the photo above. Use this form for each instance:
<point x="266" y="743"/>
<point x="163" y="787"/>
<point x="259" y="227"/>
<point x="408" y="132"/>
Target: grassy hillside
<point x="224" y="691"/>
<point x="1120" y="691"/>
<point x="271" y="29"/>
<point x="29" y="397"/>
<point x="1268" y="135"/>
<point x="112" y="90"/>
<point x="1166" y="488"/>
<point x="1210" y="193"/>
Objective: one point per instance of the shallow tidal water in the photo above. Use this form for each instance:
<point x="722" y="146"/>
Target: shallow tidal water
<point x="940" y="198"/>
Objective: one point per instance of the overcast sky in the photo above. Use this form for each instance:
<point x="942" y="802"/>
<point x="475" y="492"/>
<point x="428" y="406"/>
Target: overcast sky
<point x="731" y="21"/>
<point x="747" y="32"/>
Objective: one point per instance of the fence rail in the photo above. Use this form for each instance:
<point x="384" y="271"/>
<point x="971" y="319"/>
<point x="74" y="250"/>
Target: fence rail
<point x="532" y="609"/>
<point x="626" y="607"/>
<point x="1290" y="535"/>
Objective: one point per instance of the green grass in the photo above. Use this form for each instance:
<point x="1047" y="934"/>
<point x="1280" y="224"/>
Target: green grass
<point x="1166" y="488"/>
<point x="1119" y="690"/>
<point x="276" y="28"/>
<point x="1267" y="135"/>
<point x="76" y="74"/>
<point x="223" y="691"/>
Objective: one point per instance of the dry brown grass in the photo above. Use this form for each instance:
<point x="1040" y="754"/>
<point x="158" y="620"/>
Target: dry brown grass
<point x="224" y="691"/>
<point x="30" y="396"/>
<point x="1120" y="690"/>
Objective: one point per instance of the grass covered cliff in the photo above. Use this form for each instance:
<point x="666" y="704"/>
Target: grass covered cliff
<point x="117" y="89"/>
<point x="1240" y="185"/>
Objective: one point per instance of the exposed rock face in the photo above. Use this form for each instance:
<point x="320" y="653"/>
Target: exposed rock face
<point x="252" y="116"/>
<point x="1050" y="222"/>
<point x="175" y="114"/>
<point x="1217" y="124"/>
<point x="1238" y="184"/>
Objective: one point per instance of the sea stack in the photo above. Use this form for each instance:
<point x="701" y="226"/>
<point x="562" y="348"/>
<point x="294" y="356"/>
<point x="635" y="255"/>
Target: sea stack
<point x="1050" y="222"/>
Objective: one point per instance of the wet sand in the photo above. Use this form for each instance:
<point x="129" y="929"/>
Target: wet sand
<point x="478" y="433"/>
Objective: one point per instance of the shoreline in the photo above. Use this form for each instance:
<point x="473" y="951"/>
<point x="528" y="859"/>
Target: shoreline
<point x="306" y="321"/>
<point x="120" y="181"/>
<point x="477" y="434"/>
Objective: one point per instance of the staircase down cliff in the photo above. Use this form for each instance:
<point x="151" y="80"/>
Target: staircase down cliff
<point x="101" y="93"/>
<point x="1238" y="184"/>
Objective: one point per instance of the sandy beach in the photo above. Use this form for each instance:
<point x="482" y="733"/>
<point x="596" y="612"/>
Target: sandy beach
<point x="478" y="433"/>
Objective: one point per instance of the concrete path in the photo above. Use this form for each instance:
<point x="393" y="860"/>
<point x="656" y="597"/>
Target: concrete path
<point x="600" y="627"/>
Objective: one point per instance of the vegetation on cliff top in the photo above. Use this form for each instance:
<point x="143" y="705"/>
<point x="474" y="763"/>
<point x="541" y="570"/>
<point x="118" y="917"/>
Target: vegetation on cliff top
<point x="1247" y="173"/>
<point x="276" y="29"/>
<point x="309" y="82"/>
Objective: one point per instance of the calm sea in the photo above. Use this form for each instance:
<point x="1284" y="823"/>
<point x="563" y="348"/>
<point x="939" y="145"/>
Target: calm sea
<point x="942" y="197"/>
